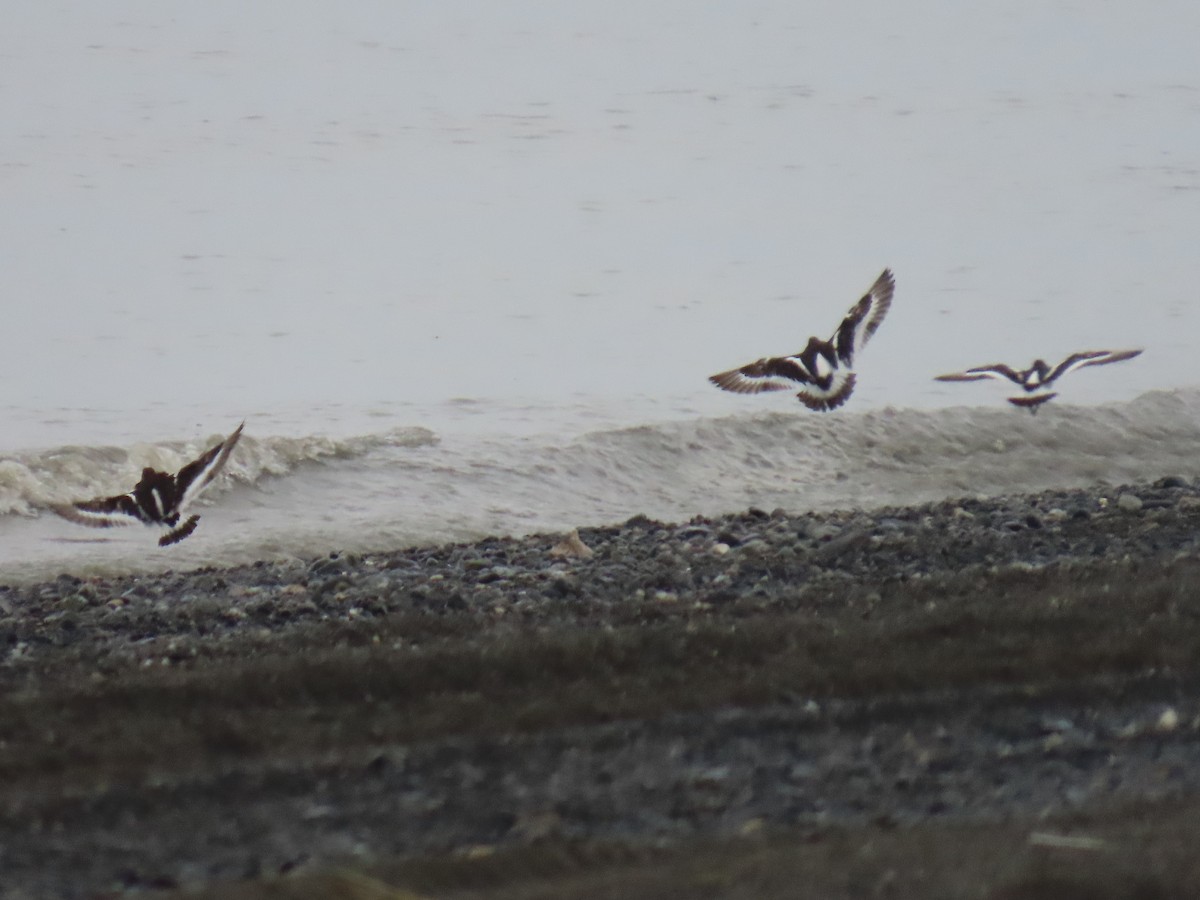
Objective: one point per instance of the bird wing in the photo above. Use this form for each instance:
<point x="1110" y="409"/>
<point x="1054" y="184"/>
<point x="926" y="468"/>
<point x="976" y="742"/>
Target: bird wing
<point x="1089" y="358"/>
<point x="998" y="371"/>
<point x="777" y="373"/>
<point x="193" y="478"/>
<point x="864" y="318"/>
<point x="103" y="512"/>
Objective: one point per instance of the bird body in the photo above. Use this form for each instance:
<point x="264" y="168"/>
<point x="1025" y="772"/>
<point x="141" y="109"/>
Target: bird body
<point x="823" y="369"/>
<point x="1037" y="379"/>
<point x="159" y="498"/>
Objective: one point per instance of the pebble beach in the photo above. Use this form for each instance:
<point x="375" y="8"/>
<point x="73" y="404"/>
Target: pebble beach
<point x="652" y="684"/>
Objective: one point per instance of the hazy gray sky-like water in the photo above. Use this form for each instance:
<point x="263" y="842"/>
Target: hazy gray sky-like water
<point x="219" y="210"/>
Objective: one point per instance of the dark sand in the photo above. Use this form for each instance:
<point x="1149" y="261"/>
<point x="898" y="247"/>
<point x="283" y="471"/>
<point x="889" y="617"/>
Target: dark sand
<point x="983" y="698"/>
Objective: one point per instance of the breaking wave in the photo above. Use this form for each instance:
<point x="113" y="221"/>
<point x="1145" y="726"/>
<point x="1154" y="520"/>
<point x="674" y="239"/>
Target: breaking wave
<point x="676" y="469"/>
<point x="886" y="457"/>
<point x="304" y="497"/>
<point x="33" y="481"/>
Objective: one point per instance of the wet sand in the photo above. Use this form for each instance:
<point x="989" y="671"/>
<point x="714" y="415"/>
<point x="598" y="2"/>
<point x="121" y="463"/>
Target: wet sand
<point x="979" y="697"/>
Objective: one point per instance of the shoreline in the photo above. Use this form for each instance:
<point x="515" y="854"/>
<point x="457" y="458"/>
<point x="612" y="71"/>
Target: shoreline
<point x="1034" y="511"/>
<point x="973" y="660"/>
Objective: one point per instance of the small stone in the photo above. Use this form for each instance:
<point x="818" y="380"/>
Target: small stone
<point x="330" y="565"/>
<point x="563" y="585"/>
<point x="1171" y="481"/>
<point x="1129" y="730"/>
<point x="711" y="777"/>
<point x="572" y="546"/>
<point x="537" y="826"/>
<point x="1168" y="721"/>
<point x="76" y="602"/>
<point x="751" y="827"/>
<point x="1129" y="503"/>
<point x="1053" y="742"/>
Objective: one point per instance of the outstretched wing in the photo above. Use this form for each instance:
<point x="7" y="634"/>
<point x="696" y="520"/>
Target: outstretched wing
<point x="103" y="512"/>
<point x="1089" y="358"/>
<point x="778" y="373"/>
<point x="864" y="318"/>
<point x="998" y="371"/>
<point x="198" y="474"/>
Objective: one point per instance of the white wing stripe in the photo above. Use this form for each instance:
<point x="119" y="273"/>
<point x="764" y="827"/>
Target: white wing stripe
<point x="206" y="475"/>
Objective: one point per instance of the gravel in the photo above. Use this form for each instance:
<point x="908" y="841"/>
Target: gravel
<point x="986" y="751"/>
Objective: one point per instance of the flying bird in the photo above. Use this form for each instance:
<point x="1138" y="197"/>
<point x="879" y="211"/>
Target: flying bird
<point x="823" y="369"/>
<point x="1037" y="379"/>
<point x="158" y="499"/>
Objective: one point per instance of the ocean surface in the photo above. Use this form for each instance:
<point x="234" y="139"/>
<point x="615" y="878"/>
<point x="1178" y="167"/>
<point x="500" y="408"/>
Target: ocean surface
<point x="463" y="268"/>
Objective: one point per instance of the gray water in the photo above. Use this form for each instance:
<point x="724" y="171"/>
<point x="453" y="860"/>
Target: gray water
<point x="465" y="267"/>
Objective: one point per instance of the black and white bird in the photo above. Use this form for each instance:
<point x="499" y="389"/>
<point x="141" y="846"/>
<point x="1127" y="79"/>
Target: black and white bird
<point x="1038" y="378"/>
<point x="824" y="370"/>
<point x="159" y="498"/>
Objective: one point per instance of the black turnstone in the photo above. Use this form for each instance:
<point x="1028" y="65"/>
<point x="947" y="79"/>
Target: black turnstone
<point x="158" y="499"/>
<point x="825" y="368"/>
<point x="1036" y="380"/>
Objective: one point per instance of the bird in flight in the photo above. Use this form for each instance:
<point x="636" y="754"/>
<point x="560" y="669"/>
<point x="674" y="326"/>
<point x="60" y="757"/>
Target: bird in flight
<point x="1037" y="379"/>
<point x="158" y="499"/>
<point x="824" y="370"/>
